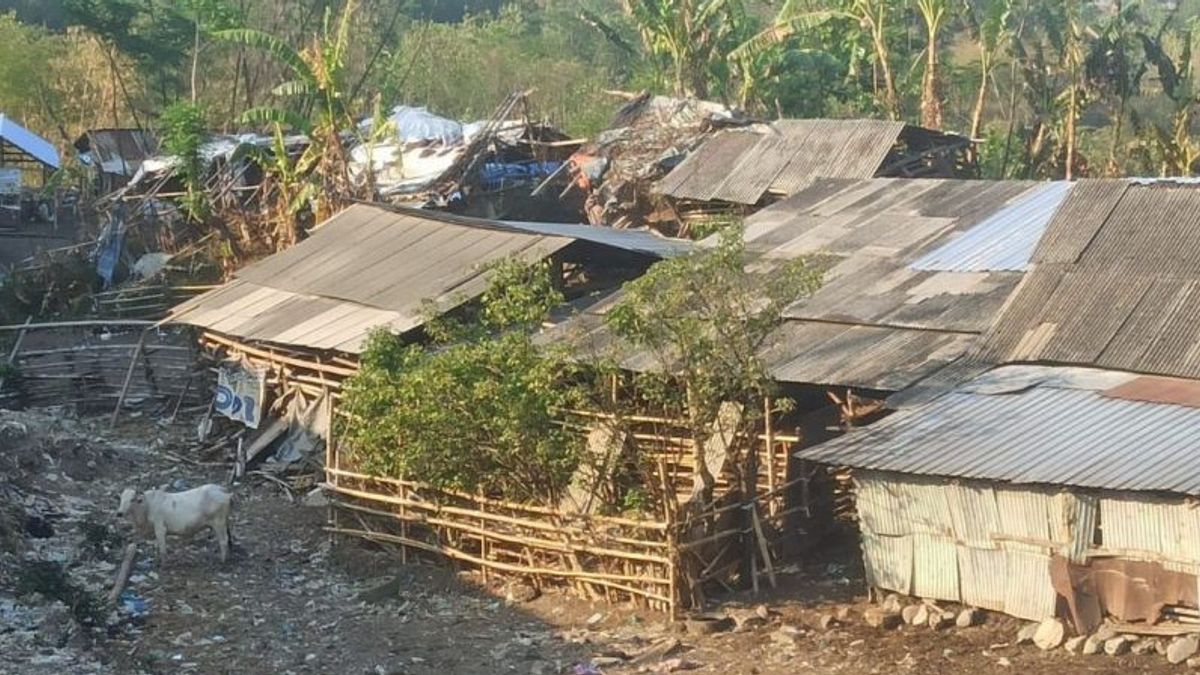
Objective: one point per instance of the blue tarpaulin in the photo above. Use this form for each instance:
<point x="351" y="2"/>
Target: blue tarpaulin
<point x="497" y="175"/>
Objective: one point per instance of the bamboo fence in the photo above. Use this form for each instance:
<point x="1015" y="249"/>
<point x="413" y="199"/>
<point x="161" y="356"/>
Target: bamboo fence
<point x="85" y="364"/>
<point x="663" y="558"/>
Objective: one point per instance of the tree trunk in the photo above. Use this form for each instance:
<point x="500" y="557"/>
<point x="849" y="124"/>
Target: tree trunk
<point x="931" y="103"/>
<point x="1072" y="114"/>
<point x="980" y="96"/>
<point x="891" y="101"/>
<point x="195" y="56"/>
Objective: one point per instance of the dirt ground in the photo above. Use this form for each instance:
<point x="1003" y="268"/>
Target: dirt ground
<point x="289" y="603"/>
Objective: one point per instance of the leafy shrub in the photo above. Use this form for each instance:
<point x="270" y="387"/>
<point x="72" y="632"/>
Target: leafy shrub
<point x="474" y="409"/>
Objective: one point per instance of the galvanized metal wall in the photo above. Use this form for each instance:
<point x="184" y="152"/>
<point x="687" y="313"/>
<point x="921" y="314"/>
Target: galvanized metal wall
<point x="978" y="543"/>
<point x="1165" y="531"/>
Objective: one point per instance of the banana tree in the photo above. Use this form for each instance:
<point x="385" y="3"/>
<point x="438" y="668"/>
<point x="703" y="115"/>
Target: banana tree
<point x="1178" y="153"/>
<point x="320" y="106"/>
<point x="1114" y="69"/>
<point x="934" y="14"/>
<point x="797" y="17"/>
<point x="689" y="35"/>
<point x="988" y="23"/>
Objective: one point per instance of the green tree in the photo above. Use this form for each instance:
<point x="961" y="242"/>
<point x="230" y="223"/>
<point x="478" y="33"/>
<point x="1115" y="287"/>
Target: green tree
<point x="688" y="38"/>
<point x="477" y="409"/>
<point x="705" y="319"/>
<point x="934" y="15"/>
<point x="184" y="129"/>
<point x="319" y="91"/>
<point x="870" y="19"/>
<point x="987" y="22"/>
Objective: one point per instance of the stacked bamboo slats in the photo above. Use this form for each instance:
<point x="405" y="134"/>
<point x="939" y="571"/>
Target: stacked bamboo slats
<point x="85" y="364"/>
<point x="150" y="301"/>
<point x="601" y="556"/>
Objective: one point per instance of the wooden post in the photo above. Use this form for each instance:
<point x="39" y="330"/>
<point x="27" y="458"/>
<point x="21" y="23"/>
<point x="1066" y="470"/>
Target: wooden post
<point x="123" y="573"/>
<point x="770" y="454"/>
<point x="330" y="463"/>
<point x="12" y="355"/>
<point x="763" y="549"/>
<point x="137" y="353"/>
<point x="483" y="540"/>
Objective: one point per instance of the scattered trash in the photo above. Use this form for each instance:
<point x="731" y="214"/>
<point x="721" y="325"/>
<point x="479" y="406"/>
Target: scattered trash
<point x="133" y="604"/>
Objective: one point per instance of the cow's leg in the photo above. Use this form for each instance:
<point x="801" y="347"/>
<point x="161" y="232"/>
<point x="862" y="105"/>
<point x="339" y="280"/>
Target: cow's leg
<point x="160" y="538"/>
<point x="221" y="530"/>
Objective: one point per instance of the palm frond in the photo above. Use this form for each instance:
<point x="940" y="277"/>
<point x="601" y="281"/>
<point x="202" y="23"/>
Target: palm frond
<point x="785" y="27"/>
<point x="294" y="88"/>
<point x="265" y="115"/>
<point x="281" y="50"/>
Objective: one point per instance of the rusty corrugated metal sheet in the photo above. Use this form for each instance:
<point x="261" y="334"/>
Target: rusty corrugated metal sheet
<point x="1159" y="390"/>
<point x="365" y="268"/>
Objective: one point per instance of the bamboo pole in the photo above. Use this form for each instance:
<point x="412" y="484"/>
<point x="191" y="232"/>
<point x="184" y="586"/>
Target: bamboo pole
<point x="528" y="508"/>
<point x="137" y="353"/>
<point x="770" y="451"/>
<point x="565" y="546"/>
<point x="97" y="323"/>
<point x="763" y="549"/>
<point x="612" y="580"/>
<point x="273" y="357"/>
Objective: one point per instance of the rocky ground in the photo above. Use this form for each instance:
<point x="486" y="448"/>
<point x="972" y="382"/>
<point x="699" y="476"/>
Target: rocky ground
<point x="288" y="603"/>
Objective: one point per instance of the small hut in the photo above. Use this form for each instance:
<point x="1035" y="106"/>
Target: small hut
<point x="1036" y="491"/>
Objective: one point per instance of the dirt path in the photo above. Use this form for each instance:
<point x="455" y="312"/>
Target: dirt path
<point x="287" y="603"/>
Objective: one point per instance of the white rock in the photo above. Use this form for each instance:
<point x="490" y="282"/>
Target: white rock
<point x="1049" y="634"/>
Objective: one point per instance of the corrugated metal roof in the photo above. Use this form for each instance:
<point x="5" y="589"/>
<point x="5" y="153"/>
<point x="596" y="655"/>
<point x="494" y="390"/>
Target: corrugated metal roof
<point x="117" y="151"/>
<point x="1116" y="283"/>
<point x="364" y="268"/>
<point x="741" y="166"/>
<point x="1029" y="424"/>
<point x="875" y="322"/>
<point x="876" y="228"/>
<point x="28" y="142"/>
<point x="1005" y="240"/>
<point x="637" y="241"/>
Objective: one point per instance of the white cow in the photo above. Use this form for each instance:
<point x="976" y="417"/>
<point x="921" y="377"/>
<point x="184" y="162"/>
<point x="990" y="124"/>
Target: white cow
<point x="183" y="513"/>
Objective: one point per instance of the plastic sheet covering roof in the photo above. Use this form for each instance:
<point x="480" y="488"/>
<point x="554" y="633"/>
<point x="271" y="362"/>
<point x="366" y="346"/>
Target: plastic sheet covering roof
<point x="417" y="124"/>
<point x="1035" y="424"/>
<point x="780" y="157"/>
<point x="365" y="268"/>
<point x="876" y="322"/>
<point x="28" y="142"/>
<point x="1116" y="283"/>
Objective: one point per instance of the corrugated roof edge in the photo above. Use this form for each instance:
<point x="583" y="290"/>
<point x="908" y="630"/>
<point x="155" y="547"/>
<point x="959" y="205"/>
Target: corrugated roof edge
<point x="998" y="427"/>
<point x="637" y="244"/>
<point x="29" y="142"/>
